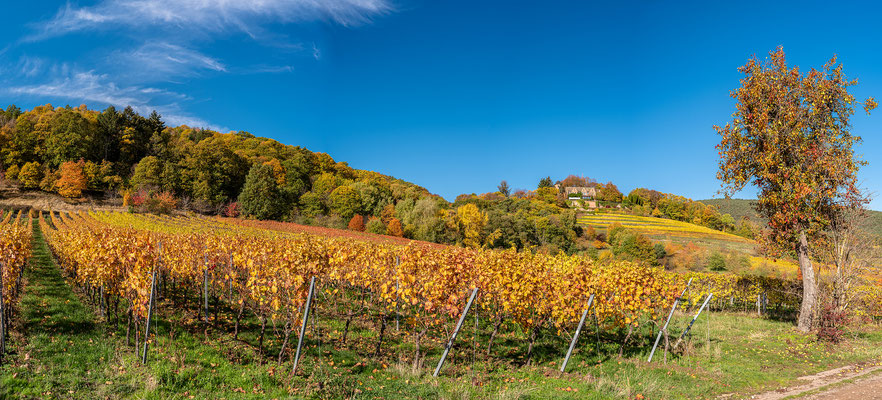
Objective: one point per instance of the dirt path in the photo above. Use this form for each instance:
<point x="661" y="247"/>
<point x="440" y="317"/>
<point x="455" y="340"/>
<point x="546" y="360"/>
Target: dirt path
<point x="869" y="388"/>
<point x="851" y="382"/>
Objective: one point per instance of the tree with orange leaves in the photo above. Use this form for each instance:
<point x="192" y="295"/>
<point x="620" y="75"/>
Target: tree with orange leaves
<point x="394" y="228"/>
<point x="790" y="137"/>
<point x="72" y="180"/>
<point x="356" y="223"/>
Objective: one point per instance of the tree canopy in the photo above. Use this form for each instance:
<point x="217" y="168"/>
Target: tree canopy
<point x="790" y="137"/>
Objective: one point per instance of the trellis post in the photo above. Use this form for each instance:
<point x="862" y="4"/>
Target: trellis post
<point x="688" y="327"/>
<point x="149" y="316"/>
<point x="303" y="326"/>
<point x="462" y="317"/>
<point x="576" y="335"/>
<point x="665" y="327"/>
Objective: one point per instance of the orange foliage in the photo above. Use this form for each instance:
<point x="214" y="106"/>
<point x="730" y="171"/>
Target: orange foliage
<point x="72" y="180"/>
<point x="394" y="228"/>
<point x="356" y="223"/>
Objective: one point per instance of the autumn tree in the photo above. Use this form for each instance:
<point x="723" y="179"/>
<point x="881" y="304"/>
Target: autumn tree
<point x="30" y="175"/>
<point x="850" y="255"/>
<point x="790" y="138"/>
<point x="394" y="228"/>
<point x="71" y="179"/>
<point x="345" y="201"/>
<point x="609" y="192"/>
<point x="375" y="225"/>
<point x="148" y="173"/>
<point x="546" y="182"/>
<point x="356" y="223"/>
<point x="504" y="189"/>
<point x="472" y="221"/>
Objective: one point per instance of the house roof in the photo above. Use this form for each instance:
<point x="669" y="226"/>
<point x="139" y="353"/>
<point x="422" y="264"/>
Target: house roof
<point x="585" y="191"/>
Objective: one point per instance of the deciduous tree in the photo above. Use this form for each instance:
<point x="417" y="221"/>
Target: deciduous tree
<point x="790" y="137"/>
<point x="504" y="189"/>
<point x="71" y="179"/>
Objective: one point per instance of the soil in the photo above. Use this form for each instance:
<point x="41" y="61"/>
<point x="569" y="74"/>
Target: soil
<point x="828" y="385"/>
<point x="13" y="197"/>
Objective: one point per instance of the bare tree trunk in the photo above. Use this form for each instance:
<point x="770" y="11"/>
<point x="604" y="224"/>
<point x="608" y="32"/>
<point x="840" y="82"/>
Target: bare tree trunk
<point x="238" y="319"/>
<point x="382" y="331"/>
<point x="285" y="343"/>
<point x="418" y="354"/>
<point x="627" y="339"/>
<point x="493" y="335"/>
<point x="534" y="333"/>
<point x="262" y="332"/>
<point x="809" y="290"/>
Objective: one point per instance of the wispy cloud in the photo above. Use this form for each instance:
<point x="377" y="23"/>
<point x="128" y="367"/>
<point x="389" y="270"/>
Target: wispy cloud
<point x="204" y="15"/>
<point x="30" y="66"/>
<point x="91" y="87"/>
<point x="161" y="61"/>
<point x="170" y="40"/>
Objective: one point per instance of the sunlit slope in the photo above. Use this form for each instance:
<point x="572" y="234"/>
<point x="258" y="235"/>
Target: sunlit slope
<point x="660" y="229"/>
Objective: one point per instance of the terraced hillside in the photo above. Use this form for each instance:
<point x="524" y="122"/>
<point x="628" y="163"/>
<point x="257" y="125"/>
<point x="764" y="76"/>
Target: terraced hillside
<point x="666" y="230"/>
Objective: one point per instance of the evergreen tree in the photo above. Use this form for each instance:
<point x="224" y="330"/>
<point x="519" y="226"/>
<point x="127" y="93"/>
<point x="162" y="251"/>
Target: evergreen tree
<point x="260" y="195"/>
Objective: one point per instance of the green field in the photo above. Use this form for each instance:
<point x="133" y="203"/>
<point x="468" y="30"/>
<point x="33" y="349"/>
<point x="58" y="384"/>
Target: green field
<point x="670" y="231"/>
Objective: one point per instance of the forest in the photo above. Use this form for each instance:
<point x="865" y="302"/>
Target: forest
<point x="151" y="167"/>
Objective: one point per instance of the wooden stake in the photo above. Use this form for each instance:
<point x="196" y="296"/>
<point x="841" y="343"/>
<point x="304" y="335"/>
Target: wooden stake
<point x="2" y="315"/>
<point x="205" y="286"/>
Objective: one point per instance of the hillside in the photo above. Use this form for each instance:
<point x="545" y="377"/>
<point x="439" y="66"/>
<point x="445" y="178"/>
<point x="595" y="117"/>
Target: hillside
<point x="66" y="158"/>
<point x="670" y="231"/>
<point x="744" y="207"/>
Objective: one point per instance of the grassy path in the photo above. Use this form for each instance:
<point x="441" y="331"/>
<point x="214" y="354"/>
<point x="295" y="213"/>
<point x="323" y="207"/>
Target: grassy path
<point x="61" y="350"/>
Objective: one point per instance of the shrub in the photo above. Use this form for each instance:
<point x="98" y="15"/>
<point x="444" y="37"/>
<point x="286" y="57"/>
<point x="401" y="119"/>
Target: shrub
<point x="716" y="262"/>
<point x="831" y="323"/>
<point x="12" y="173"/>
<point x="139" y="198"/>
<point x="232" y="210"/>
<point x="659" y="250"/>
<point x="634" y="247"/>
<point x="162" y="203"/>
<point x="375" y="225"/>
<point x="71" y="181"/>
<point x="356" y="223"/>
<point x="126" y="195"/>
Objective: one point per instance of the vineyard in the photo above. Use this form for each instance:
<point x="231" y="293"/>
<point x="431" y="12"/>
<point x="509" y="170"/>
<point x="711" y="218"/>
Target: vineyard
<point x="245" y="286"/>
<point x="15" y="249"/>
<point x="668" y="230"/>
<point x="264" y="269"/>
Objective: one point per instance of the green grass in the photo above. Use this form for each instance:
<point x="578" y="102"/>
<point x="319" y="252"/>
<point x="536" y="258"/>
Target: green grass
<point x="62" y="347"/>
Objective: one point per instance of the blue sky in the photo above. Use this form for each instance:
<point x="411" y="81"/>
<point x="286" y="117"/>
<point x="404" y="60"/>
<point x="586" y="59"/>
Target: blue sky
<point x="452" y="95"/>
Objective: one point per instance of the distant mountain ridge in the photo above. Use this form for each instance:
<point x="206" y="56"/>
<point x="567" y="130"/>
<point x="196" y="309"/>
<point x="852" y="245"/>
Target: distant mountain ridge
<point x="738" y="208"/>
